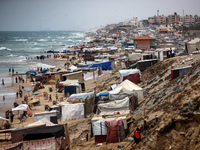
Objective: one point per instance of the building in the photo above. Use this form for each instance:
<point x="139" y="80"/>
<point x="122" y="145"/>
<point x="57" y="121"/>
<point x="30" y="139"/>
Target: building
<point x="173" y="19"/>
<point x="144" y="42"/>
<point x="161" y="19"/>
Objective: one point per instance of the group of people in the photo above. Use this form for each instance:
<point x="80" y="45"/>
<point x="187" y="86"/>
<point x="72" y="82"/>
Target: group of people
<point x="19" y="93"/>
<point x="13" y="70"/>
<point x="144" y="129"/>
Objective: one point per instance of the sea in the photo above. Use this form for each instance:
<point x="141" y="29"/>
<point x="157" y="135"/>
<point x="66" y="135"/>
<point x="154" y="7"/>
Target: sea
<point x="19" y="49"/>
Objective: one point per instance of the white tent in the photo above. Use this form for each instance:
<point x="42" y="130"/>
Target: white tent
<point x="72" y="111"/>
<point x="46" y="114"/>
<point x="73" y="68"/>
<point x="126" y="86"/>
<point x="124" y="73"/>
<point x="21" y="107"/>
<point x="192" y="45"/>
<point x="115" y="106"/>
<point x="70" y="82"/>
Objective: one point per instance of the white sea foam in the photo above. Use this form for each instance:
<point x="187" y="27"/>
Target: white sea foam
<point x="44" y="65"/>
<point x="4" y="48"/>
<point x="42" y="40"/>
<point x="21" y="40"/>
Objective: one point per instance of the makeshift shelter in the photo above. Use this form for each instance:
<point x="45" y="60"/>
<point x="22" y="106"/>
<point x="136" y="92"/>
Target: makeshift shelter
<point x="50" y="115"/>
<point x="73" y="76"/>
<point x="114" y="107"/>
<point x="101" y="132"/>
<point x="73" y="68"/>
<point x="72" y="111"/>
<point x="144" y="64"/>
<point x="23" y="107"/>
<point x="82" y="96"/>
<point x="71" y="87"/>
<point x="178" y="71"/>
<point x="134" y="75"/>
<point x="17" y="134"/>
<point x="46" y="137"/>
<point x="104" y="65"/>
<point x="58" y="108"/>
<point x="192" y="45"/>
<point x="122" y="89"/>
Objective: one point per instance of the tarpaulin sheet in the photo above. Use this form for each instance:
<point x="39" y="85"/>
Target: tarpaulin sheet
<point x="47" y="115"/>
<point x="72" y="111"/>
<point x="50" y="144"/>
<point x="104" y="65"/>
<point x="115" y="105"/>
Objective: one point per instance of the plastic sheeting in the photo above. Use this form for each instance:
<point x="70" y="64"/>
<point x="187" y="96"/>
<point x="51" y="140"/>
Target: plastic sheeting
<point x="104" y="65"/>
<point x="72" y="111"/>
<point x="123" y="89"/>
<point x="99" y="127"/>
<point x="46" y="114"/>
<point x="114" y="106"/>
<point x="126" y="73"/>
<point x="82" y="96"/>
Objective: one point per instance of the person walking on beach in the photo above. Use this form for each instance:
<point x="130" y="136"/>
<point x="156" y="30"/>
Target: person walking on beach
<point x="9" y="70"/>
<point x="12" y="70"/>
<point x="50" y="98"/>
<point x="4" y="98"/>
<point x="16" y="80"/>
<point x="3" y="82"/>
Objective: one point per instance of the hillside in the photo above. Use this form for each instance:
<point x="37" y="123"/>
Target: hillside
<point x="175" y="103"/>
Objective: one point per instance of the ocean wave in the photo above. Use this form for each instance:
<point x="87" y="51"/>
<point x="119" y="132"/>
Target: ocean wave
<point x="42" y="40"/>
<point x="21" y="40"/>
<point x="4" y="48"/>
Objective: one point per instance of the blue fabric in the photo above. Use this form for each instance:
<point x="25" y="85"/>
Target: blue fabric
<point x="44" y="71"/>
<point x="31" y="71"/>
<point x="104" y="65"/>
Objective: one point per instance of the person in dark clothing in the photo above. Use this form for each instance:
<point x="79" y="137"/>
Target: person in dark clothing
<point x="17" y="94"/>
<point x="7" y="114"/>
<point x="145" y="127"/>
<point x="11" y="116"/>
<point x="3" y="82"/>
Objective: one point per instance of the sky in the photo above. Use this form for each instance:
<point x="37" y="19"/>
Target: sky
<point x="83" y="15"/>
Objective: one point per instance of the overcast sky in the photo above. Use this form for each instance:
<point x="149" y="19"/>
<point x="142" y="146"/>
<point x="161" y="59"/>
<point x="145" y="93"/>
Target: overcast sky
<point x="76" y="15"/>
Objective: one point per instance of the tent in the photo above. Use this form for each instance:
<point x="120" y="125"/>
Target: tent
<point x="134" y="75"/>
<point x="23" y="107"/>
<point x="72" y="111"/>
<point x="104" y="65"/>
<point x="125" y="88"/>
<point x="45" y="137"/>
<point x="82" y="96"/>
<point x="47" y="114"/>
<point x="100" y="130"/>
<point x="73" y="76"/>
<point x="73" y="68"/>
<point x="17" y="134"/>
<point x="113" y="107"/>
<point x="192" y="45"/>
<point x="70" y="82"/>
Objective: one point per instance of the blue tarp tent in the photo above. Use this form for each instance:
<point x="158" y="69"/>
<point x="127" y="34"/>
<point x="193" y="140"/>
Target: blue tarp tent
<point x="104" y="65"/>
<point x="31" y="71"/>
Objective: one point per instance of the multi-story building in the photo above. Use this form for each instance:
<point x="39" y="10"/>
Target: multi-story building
<point x="134" y="21"/>
<point x="161" y="19"/>
<point x="173" y="19"/>
<point x="151" y="19"/>
<point x="187" y="20"/>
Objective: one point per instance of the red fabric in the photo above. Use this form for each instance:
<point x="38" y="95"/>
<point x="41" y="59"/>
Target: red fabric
<point x="135" y="78"/>
<point x="112" y="136"/>
<point x="137" y="135"/>
<point x="100" y="138"/>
